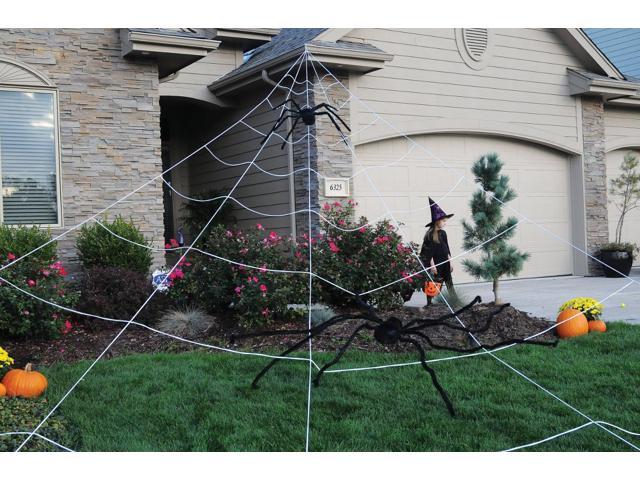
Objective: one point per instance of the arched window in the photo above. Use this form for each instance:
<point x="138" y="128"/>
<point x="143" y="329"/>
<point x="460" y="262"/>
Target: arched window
<point x="29" y="147"/>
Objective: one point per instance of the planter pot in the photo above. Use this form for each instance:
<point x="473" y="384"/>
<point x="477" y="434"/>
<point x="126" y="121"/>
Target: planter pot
<point x="620" y="260"/>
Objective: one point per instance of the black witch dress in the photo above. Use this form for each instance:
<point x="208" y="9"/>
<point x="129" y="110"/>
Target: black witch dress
<point x="440" y="252"/>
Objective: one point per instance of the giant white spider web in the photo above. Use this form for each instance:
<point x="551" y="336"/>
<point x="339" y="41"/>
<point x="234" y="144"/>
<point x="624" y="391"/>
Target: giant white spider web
<point x="315" y="73"/>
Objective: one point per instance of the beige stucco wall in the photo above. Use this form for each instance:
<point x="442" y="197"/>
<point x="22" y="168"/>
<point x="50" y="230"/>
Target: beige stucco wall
<point x="427" y="87"/>
<point x="192" y="81"/>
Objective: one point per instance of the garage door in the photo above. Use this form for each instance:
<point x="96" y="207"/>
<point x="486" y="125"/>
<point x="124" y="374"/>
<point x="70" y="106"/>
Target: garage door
<point x="539" y="175"/>
<point x="631" y="227"/>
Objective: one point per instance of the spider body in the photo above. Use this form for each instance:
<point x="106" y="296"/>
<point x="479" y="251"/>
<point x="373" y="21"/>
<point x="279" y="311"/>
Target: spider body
<point x="390" y="332"/>
<point x="308" y="116"/>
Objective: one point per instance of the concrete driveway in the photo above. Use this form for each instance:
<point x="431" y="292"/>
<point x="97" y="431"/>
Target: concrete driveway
<point x="541" y="297"/>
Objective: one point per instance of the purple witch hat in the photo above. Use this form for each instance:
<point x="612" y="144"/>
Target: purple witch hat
<point x="436" y="213"/>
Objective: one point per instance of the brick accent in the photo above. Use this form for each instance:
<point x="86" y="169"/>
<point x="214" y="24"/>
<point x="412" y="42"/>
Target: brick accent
<point x="109" y="113"/>
<point x="595" y="179"/>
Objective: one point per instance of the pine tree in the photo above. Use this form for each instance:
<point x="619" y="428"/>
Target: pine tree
<point x="498" y="257"/>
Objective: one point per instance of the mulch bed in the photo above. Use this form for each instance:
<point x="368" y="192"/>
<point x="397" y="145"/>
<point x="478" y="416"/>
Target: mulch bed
<point x="82" y="343"/>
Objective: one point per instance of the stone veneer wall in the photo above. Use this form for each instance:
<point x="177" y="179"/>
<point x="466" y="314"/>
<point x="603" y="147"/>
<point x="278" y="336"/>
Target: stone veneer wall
<point x="109" y="113"/>
<point x="305" y="153"/>
<point x="335" y="159"/>
<point x="595" y="179"/>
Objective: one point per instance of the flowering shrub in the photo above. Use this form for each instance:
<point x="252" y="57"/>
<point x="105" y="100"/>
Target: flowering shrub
<point x="253" y="294"/>
<point x="40" y="274"/>
<point x="591" y="308"/>
<point x="183" y="290"/>
<point x="5" y="360"/>
<point x="362" y="259"/>
<point x="98" y="247"/>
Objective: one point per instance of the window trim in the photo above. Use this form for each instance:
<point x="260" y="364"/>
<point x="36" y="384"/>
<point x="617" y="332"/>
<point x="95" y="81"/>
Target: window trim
<point x="56" y="119"/>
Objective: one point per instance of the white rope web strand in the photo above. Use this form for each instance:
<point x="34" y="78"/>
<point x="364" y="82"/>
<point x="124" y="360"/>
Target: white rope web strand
<point x="305" y="57"/>
<point x="468" y="180"/>
<point x="148" y="182"/>
<point x="152" y="329"/>
<point x="475" y="354"/>
<point x="46" y="439"/>
<point x="566" y="432"/>
<point x="152" y="294"/>
<point x="398" y="225"/>
<point x="310" y="233"/>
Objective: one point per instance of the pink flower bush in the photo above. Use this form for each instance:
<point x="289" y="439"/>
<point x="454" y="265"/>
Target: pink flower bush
<point x="359" y="259"/>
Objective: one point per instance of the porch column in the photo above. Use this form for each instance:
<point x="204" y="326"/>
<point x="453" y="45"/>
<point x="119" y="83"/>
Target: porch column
<point x="595" y="179"/>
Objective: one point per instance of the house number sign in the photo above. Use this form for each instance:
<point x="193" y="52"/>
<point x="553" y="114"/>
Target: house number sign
<point x="336" y="187"/>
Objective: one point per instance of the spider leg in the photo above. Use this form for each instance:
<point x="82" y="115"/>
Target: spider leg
<point x="341" y="351"/>
<point x="309" y="334"/>
<point x="317" y="329"/>
<point x="331" y="109"/>
<point x="293" y="127"/>
<point x="434" y="379"/>
<point x="335" y="125"/>
<point x="481" y="347"/>
<point x="297" y="345"/>
<point x="427" y="322"/>
<point x="484" y="328"/>
<point x="280" y="121"/>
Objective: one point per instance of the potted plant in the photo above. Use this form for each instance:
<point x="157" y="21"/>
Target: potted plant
<point x="625" y="190"/>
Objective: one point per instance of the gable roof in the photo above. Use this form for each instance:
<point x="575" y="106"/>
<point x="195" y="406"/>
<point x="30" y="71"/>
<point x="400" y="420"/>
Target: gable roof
<point x="289" y="42"/>
<point x="621" y="46"/>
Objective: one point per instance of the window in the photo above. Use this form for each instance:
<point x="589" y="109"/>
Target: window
<point x="29" y="173"/>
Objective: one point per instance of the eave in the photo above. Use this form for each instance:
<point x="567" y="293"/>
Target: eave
<point x="610" y="90"/>
<point x="587" y="52"/>
<point x="246" y="37"/>
<point x="345" y="59"/>
<point x="172" y="52"/>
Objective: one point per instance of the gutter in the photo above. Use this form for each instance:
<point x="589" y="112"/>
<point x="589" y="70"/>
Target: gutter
<point x="349" y="59"/>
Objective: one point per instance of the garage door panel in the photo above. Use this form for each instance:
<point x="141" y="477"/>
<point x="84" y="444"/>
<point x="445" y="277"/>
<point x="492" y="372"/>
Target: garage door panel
<point x="539" y="175"/>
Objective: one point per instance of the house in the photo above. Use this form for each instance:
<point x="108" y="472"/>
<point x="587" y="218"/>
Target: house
<point x="421" y="104"/>
<point x="80" y="122"/>
<point x="557" y="110"/>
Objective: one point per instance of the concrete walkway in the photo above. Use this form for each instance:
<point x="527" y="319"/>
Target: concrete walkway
<point x="541" y="297"/>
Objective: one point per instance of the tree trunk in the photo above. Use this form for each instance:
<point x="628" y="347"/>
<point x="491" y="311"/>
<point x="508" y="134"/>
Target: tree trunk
<point x="497" y="299"/>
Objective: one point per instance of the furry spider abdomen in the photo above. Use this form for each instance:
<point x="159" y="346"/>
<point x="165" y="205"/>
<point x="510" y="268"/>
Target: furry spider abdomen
<point x="308" y="116"/>
<point x="388" y="332"/>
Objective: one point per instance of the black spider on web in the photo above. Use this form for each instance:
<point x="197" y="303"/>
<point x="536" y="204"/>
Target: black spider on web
<point x="308" y="116"/>
<point x="391" y="331"/>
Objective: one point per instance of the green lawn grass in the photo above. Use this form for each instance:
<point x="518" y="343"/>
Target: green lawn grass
<point x="203" y="401"/>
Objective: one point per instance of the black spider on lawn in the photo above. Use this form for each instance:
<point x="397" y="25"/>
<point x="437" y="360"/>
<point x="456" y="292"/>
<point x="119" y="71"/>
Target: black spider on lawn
<point x="307" y="115"/>
<point x="390" y="332"/>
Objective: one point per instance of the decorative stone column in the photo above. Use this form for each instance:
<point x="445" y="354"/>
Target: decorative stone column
<point x="595" y="179"/>
<point x="335" y="159"/>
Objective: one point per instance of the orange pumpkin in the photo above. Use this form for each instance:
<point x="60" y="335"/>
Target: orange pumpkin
<point x="24" y="383"/>
<point x="431" y="289"/>
<point x="575" y="327"/>
<point x="597" y="326"/>
<point x="3" y="390"/>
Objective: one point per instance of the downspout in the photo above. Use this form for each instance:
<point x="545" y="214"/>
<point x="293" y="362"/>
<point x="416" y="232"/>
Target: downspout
<point x="292" y="185"/>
